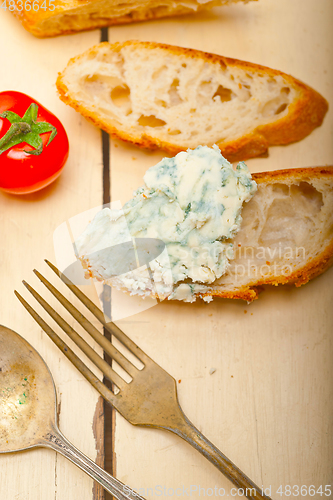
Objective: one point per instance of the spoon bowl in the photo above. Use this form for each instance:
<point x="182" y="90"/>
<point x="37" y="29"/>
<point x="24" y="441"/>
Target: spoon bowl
<point x="27" y="394"/>
<point x="28" y="405"/>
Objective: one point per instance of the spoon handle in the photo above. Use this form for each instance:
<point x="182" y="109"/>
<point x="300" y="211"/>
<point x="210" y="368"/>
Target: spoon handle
<point x="57" y="441"/>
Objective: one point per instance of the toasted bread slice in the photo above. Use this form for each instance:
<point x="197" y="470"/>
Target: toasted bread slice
<point x="71" y="16"/>
<point x="161" y="96"/>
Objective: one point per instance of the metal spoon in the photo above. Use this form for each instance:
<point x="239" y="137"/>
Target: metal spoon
<point x="28" y="410"/>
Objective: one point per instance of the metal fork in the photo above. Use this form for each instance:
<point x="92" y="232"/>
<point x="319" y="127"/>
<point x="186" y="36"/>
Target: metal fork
<point x="150" y="399"/>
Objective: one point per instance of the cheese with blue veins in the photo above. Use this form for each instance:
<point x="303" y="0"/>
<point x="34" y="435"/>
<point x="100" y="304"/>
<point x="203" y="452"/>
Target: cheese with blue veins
<point x="191" y="202"/>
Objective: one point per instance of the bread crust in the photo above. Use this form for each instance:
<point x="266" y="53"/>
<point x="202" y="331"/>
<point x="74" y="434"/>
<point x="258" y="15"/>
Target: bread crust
<point x="304" y="115"/>
<point x="300" y="277"/>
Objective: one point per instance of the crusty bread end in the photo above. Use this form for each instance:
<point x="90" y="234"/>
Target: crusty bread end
<point x="72" y="16"/>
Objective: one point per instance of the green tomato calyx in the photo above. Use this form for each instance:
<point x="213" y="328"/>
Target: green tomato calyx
<point x="26" y="129"/>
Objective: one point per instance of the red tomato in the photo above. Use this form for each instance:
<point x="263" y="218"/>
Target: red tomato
<point x="33" y="144"/>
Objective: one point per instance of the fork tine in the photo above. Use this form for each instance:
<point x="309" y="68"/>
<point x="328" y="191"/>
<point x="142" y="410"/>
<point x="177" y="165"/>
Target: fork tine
<point x="82" y="344"/>
<point x="73" y="358"/>
<point x="109" y="325"/>
<point x="90" y="328"/>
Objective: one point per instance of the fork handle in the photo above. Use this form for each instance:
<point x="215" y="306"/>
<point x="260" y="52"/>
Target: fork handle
<point x="186" y="430"/>
<point x="57" y="441"/>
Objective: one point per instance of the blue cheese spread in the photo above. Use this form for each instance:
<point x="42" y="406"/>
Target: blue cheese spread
<point x="191" y="202"/>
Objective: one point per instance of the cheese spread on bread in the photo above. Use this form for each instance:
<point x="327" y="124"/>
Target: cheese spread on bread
<point x="191" y="202"/>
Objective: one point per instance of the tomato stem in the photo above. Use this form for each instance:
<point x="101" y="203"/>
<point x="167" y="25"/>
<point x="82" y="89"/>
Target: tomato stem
<point x="16" y="129"/>
<point x="26" y="129"/>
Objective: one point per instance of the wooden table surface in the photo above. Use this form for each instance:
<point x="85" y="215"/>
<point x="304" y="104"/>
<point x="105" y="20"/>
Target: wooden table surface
<point x="269" y="404"/>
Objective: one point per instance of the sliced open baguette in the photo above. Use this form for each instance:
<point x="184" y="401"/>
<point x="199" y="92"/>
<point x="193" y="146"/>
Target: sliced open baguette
<point x="162" y="96"/>
<point x="71" y="16"/>
<point x="286" y="236"/>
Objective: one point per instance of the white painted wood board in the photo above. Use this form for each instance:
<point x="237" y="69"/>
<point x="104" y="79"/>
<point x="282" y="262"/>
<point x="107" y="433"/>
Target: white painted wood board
<point x="268" y="406"/>
<point x="31" y="65"/>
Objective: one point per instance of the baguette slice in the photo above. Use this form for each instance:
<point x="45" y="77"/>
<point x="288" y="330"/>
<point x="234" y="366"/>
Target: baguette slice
<point x="162" y="96"/>
<point x="286" y="237"/>
<point x="71" y="16"/>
